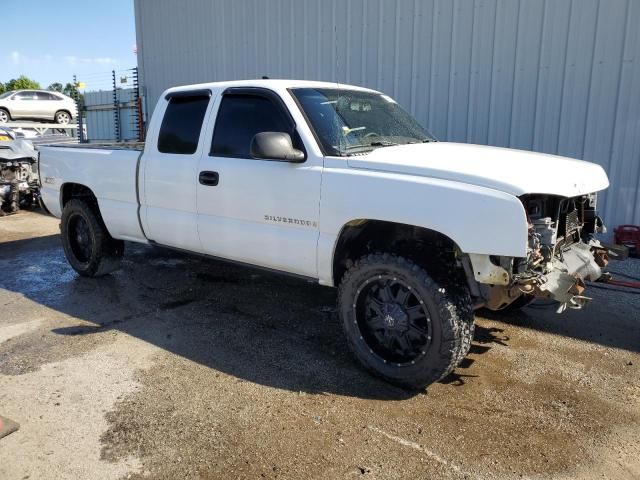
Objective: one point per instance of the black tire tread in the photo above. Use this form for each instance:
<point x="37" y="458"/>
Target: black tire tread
<point x="108" y="252"/>
<point x="466" y="316"/>
<point x="453" y="306"/>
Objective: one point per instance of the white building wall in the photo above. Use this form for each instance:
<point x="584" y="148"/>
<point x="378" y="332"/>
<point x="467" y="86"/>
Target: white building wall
<point x="556" y="76"/>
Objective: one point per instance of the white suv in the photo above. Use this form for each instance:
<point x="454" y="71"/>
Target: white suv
<point x="37" y="104"/>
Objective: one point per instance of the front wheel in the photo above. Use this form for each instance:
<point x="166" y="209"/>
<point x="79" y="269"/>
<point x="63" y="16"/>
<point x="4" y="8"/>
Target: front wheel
<point x="89" y="248"/>
<point x="400" y="324"/>
<point x="4" y="116"/>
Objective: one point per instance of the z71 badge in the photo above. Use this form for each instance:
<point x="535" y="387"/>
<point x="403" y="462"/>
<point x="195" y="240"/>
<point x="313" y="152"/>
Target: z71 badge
<point x="292" y="221"/>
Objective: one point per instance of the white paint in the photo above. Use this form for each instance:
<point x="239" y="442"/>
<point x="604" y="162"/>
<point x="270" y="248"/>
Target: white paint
<point x="466" y="192"/>
<point x="109" y="173"/>
<point x="261" y="212"/>
<point x="168" y="199"/>
<point x="512" y="171"/>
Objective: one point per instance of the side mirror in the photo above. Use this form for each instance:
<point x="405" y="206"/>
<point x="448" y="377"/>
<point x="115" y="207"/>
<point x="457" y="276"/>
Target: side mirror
<point x="275" y="146"/>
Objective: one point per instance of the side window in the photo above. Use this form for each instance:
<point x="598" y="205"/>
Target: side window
<point x="25" y="96"/>
<point x="45" y="96"/>
<point x="240" y="118"/>
<point x="181" y="125"/>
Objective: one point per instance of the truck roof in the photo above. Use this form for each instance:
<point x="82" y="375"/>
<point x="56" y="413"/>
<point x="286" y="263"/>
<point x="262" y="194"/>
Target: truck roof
<point x="273" y="84"/>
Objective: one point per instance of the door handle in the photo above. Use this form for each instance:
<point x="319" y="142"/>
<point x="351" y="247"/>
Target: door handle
<point x="208" y="178"/>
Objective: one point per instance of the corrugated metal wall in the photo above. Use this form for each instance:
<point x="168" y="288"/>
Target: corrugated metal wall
<point x="556" y="76"/>
<point x="100" y="117"/>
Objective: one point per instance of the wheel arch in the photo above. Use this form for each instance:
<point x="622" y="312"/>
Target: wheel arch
<point x="359" y="237"/>
<point x="71" y="190"/>
<point x="66" y="110"/>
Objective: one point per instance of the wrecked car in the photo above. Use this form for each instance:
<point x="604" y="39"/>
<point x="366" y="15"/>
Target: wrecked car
<point x="19" y="184"/>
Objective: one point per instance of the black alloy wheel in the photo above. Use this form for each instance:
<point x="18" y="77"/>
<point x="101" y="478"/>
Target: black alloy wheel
<point x="393" y="320"/>
<point x="80" y="238"/>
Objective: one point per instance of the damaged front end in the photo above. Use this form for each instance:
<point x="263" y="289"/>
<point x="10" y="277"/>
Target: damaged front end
<point x="18" y="175"/>
<point x="562" y="254"/>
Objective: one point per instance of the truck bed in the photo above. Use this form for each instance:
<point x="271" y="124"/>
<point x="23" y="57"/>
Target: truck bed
<point x="109" y="170"/>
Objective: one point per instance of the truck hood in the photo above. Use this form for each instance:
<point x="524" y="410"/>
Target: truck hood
<point x="512" y="171"/>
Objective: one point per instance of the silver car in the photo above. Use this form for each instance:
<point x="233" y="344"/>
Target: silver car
<point x="37" y="104"/>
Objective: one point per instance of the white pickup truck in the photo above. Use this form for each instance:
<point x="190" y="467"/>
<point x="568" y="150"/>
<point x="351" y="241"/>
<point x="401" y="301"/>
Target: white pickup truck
<point x="339" y="184"/>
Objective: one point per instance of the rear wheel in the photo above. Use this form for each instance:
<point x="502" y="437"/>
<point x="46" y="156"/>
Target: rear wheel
<point x="62" y="117"/>
<point x="4" y="115"/>
<point x="89" y="248"/>
<point x="402" y="325"/>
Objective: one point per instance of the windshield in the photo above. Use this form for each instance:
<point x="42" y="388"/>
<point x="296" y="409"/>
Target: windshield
<point x="6" y="94"/>
<point x="347" y="122"/>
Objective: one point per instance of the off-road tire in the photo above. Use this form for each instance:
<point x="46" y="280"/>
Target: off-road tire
<point x="449" y="308"/>
<point x="462" y="298"/>
<point x="106" y="252"/>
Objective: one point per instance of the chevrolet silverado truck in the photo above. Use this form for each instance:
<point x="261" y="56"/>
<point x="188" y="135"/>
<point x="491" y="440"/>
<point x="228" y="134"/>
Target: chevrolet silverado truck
<point x="340" y="185"/>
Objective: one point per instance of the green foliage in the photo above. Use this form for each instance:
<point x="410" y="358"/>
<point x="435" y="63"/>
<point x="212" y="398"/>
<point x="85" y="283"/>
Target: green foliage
<point x="56" y="87"/>
<point x="2" y="89"/>
<point x="21" y="83"/>
<point x="70" y="90"/>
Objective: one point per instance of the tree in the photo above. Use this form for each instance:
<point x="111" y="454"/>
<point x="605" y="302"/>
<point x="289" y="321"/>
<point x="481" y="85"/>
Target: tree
<point x="70" y="90"/>
<point x="56" y="87"/>
<point x="22" y="83"/>
<point x="2" y="88"/>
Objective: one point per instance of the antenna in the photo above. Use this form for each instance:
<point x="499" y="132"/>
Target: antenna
<point x="335" y="52"/>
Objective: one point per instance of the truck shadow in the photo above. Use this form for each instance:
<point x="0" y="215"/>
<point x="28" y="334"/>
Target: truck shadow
<point x="261" y="327"/>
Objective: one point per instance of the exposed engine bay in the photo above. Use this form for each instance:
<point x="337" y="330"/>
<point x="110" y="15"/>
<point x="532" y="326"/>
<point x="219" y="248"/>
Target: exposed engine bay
<point x="18" y="175"/>
<point x="562" y="254"/>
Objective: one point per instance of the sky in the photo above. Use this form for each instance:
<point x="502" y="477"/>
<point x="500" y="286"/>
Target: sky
<point x="50" y="41"/>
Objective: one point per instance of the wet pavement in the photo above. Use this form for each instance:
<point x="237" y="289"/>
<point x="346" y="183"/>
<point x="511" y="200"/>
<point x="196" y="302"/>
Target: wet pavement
<point x="182" y="367"/>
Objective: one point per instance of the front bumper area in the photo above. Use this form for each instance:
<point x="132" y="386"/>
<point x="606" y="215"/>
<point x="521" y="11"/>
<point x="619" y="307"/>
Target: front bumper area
<point x="563" y="279"/>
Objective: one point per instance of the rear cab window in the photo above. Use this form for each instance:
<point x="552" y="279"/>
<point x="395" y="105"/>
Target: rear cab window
<point x="182" y="123"/>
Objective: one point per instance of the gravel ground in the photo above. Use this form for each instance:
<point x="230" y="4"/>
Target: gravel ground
<point x="180" y="367"/>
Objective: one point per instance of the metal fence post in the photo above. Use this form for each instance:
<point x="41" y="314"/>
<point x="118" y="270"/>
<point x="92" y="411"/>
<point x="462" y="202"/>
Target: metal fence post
<point x="138" y="106"/>
<point x="116" y="108"/>
<point x="76" y="98"/>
